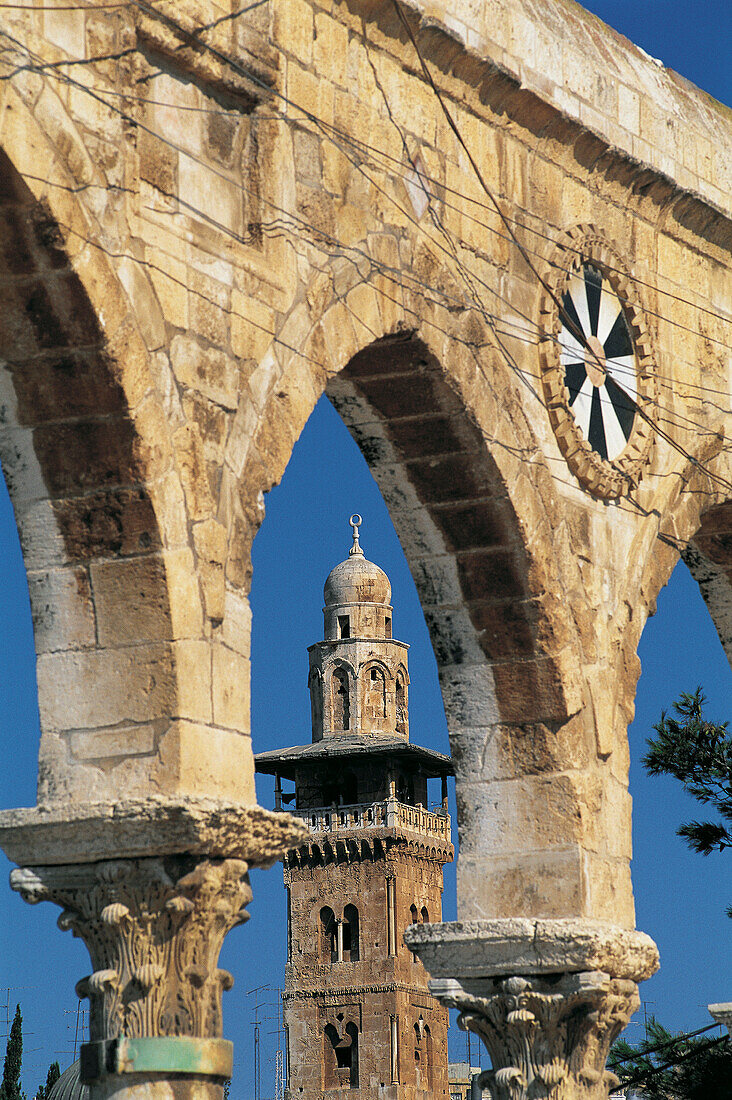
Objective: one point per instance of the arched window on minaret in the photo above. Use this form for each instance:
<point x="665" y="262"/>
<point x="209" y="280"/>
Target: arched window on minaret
<point x="341" y="701"/>
<point x="340" y="1061"/>
<point x="328" y="935"/>
<point x="427" y="1064"/>
<point x="374" y="694"/>
<point x="425" y="915"/>
<point x="401" y="704"/>
<point x="350" y="934"/>
<point x="315" y="684"/>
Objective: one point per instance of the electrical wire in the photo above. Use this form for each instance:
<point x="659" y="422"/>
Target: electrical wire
<point x="362" y="145"/>
<point x="150" y="10"/>
<point x="662" y="379"/>
<point x="567" y="320"/>
<point x="701" y="1049"/>
<point x="661" y="1046"/>
<point x="398" y="275"/>
<point x="489" y="318"/>
<point x="423" y="175"/>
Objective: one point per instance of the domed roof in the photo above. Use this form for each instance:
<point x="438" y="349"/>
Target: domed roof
<point x="356" y="580"/>
<point x="69" y="1086"/>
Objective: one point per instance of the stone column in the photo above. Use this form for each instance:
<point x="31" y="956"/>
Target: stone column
<point x="153" y="915"/>
<point x="547" y="997"/>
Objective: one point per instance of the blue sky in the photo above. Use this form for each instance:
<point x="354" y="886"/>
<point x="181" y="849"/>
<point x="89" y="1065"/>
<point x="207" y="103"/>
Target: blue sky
<point x="680" y="897"/>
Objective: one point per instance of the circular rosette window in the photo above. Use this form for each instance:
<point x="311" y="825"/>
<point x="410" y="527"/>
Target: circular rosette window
<point x="597" y="366"/>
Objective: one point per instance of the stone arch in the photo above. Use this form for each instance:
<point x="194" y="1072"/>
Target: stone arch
<point x="490" y="551"/>
<point x="708" y="555"/>
<point x="695" y="524"/>
<point x="90" y="466"/>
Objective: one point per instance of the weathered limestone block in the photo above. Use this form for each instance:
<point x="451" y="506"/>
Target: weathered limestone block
<point x="146" y="827"/>
<point x="471" y="949"/>
<point x="722" y="1013"/>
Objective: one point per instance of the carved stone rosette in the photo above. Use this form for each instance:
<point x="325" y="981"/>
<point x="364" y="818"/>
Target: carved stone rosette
<point x="546" y="1036"/>
<point x="154" y="929"/>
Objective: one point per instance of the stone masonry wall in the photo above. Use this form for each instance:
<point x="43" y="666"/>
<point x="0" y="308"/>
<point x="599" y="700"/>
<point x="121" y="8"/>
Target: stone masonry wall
<point x="225" y="218"/>
<point x="373" y="989"/>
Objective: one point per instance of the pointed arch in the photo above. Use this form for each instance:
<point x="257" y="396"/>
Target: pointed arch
<point x="447" y="439"/>
<point x="695" y="524"/>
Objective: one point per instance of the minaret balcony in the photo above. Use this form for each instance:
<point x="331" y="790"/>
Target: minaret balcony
<point x="389" y="814"/>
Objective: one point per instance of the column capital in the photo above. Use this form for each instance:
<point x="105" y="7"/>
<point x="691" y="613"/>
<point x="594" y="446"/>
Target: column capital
<point x="722" y="1014"/>
<point x="86" y="832"/>
<point x="545" y="1035"/>
<point x="154" y="929"/>
<point x="547" y="997"/>
<point x="490" y="948"/>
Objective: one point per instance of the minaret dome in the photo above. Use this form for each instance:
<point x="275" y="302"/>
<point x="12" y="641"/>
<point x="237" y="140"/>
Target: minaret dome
<point x="357" y="596"/>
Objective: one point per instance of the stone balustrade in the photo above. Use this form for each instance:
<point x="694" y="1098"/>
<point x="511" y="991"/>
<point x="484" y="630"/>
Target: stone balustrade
<point x="377" y="815"/>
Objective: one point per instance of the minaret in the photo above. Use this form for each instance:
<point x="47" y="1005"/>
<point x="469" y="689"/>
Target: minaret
<point x="360" y="1021"/>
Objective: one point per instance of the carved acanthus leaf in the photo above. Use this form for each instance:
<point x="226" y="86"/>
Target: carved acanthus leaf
<point x="547" y="1036"/>
<point x="154" y="929"/>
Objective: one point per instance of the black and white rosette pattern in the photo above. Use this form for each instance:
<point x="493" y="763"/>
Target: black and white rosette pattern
<point x="597" y="364"/>
<point x="604" y="406"/>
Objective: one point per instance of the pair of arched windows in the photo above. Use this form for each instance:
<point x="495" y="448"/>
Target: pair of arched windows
<point x="340" y="1056"/>
<point x="422" y="1054"/>
<point x="339" y="938"/>
<point x="419" y="916"/>
<point x="374" y="698"/>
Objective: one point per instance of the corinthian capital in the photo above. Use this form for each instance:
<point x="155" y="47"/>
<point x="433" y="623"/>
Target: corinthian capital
<point x="154" y="929"/>
<point x="152" y="886"/>
<point x="546" y="1036"/>
<point x="547" y="997"/>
